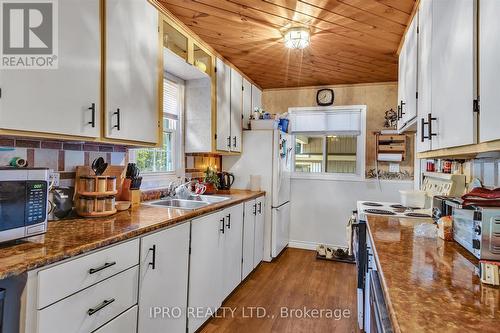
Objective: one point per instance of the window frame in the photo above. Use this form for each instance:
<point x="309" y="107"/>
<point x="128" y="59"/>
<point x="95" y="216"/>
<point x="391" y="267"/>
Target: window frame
<point x="360" y="148"/>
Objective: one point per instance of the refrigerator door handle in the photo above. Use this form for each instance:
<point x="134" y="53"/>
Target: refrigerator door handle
<point x="278" y="207"/>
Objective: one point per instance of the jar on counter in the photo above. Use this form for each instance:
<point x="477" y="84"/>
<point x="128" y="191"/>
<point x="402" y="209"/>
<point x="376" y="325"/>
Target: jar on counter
<point x="111" y="184"/>
<point x="101" y="205"/>
<point x="86" y="204"/>
<point x="101" y="184"/>
<point x="88" y="183"/>
<point x="110" y="203"/>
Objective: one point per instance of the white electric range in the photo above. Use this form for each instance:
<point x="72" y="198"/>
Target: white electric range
<point x="390" y="209"/>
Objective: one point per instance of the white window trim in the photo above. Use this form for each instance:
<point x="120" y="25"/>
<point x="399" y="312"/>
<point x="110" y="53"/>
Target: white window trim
<point x="360" y="149"/>
<point x="179" y="172"/>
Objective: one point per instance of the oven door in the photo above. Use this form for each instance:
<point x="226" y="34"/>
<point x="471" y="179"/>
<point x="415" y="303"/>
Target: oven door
<point x="12" y="204"/>
<point x="379" y="316"/>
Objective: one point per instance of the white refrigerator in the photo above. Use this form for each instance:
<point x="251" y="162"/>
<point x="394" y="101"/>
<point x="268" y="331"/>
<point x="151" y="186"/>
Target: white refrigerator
<point x="267" y="153"/>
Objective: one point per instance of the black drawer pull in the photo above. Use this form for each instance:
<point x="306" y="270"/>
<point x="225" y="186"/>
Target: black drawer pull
<point x="117" y="113"/>
<point x="260" y="207"/>
<point x="92" y="108"/>
<point x="98" y="269"/>
<point x="255" y="209"/>
<point x="229" y="141"/>
<point x="222" y="229"/>
<point x="101" y="306"/>
<point x="234" y="142"/>
<point x="153" y="262"/>
<point x="228" y="225"/>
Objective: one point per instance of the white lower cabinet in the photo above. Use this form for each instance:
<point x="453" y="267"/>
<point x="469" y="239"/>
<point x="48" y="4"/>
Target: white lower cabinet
<point x="259" y="231"/>
<point x="163" y="283"/>
<point x="124" y="323"/>
<point x="233" y="242"/>
<point x="248" y="238"/>
<point x="205" y="268"/>
<point x="93" y="307"/>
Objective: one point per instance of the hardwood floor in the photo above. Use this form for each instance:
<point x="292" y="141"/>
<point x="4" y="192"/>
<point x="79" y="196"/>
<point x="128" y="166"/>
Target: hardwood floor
<point x="296" y="280"/>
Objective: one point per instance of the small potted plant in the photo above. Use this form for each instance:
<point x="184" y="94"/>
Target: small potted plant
<point x="211" y="181"/>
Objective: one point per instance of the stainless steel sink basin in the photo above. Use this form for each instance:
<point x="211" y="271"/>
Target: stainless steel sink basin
<point x="179" y="203"/>
<point x="211" y="199"/>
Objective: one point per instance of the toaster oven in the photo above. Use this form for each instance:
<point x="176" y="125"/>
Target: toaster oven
<point x="478" y="230"/>
<point x="23" y="202"/>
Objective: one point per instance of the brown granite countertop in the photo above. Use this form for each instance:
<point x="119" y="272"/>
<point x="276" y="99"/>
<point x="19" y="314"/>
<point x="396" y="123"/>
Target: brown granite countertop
<point x="69" y="238"/>
<point x="430" y="285"/>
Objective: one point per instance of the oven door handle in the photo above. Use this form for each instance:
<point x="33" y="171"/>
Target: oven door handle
<point x="383" y="320"/>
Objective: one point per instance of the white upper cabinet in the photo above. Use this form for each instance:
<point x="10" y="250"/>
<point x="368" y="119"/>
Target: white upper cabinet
<point x="256" y="97"/>
<point x="407" y="90"/>
<point x="489" y="64"/>
<point x="236" y="109"/>
<point x="424" y="101"/>
<point x="223" y="141"/>
<point x="63" y="100"/>
<point x="131" y="71"/>
<point x="449" y="78"/>
<point x="247" y="103"/>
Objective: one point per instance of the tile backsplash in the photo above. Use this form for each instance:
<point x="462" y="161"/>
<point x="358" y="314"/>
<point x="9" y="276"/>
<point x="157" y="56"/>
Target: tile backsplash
<point x="62" y="157"/>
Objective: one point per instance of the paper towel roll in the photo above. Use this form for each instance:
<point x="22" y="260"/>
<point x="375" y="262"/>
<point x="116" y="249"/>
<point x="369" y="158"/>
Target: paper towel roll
<point x="390" y="157"/>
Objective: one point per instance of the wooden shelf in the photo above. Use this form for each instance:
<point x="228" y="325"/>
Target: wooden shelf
<point x="391" y="144"/>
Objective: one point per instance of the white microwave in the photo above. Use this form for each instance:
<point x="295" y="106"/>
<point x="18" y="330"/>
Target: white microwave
<point x="23" y="202"/>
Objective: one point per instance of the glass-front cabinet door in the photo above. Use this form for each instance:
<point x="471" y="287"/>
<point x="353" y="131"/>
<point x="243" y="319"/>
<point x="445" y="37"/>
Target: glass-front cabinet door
<point x="175" y="41"/>
<point x="202" y="60"/>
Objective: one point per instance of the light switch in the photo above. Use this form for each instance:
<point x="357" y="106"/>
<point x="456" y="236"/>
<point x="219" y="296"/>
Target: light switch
<point x="394" y="167"/>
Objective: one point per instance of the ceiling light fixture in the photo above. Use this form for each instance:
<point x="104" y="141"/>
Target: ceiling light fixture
<point x="297" y="38"/>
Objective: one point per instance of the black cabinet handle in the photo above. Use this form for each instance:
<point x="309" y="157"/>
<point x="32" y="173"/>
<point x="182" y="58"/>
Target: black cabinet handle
<point x="429" y="121"/>
<point x="222" y="229"/>
<point x="98" y="269"/>
<point x="92" y="108"/>
<point x="234" y="142"/>
<point x="399" y="112"/>
<point x="229" y="141"/>
<point x="228" y="225"/>
<point x="101" y="306"/>
<point x="402" y="108"/>
<point x="153" y="262"/>
<point x="254" y="209"/>
<point x="117" y="113"/>
<point x="260" y="207"/>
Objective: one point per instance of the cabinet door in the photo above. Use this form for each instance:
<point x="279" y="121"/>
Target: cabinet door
<point x="489" y="63"/>
<point x="132" y="71"/>
<point x="236" y="109"/>
<point x="164" y="279"/>
<point x="256" y="98"/>
<point x="259" y="232"/>
<point x="424" y="101"/>
<point x="205" y="268"/>
<point x="124" y="323"/>
<point x="247" y="103"/>
<point x="59" y="101"/>
<point x="401" y="82"/>
<point x="233" y="245"/>
<point x="248" y="238"/>
<point x="409" y="110"/>
<point x="223" y="106"/>
<point x="453" y="73"/>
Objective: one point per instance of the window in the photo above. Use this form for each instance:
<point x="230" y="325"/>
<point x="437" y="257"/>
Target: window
<point x="167" y="159"/>
<point x="329" y="143"/>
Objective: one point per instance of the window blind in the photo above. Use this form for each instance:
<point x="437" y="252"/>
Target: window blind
<point x="171" y="103"/>
<point x="340" y="122"/>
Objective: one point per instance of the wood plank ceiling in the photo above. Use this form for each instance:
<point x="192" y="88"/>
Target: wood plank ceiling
<point x="352" y="41"/>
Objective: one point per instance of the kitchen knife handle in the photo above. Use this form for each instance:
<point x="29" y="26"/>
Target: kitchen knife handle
<point x="92" y="109"/>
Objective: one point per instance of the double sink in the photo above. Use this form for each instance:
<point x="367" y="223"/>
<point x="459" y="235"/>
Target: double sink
<point x="191" y="203"/>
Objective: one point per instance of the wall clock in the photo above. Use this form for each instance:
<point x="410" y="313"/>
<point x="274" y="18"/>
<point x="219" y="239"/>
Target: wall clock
<point x="325" y="97"/>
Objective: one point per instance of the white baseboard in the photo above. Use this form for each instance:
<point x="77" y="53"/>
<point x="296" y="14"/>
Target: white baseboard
<point x="296" y="244"/>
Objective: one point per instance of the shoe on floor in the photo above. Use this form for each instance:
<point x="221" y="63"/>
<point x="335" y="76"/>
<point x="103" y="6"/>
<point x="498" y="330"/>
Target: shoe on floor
<point x="321" y="249"/>
<point x="329" y="253"/>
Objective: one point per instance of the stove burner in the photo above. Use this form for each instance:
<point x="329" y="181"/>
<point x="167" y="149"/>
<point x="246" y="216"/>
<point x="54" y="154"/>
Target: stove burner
<point x="379" y="212"/>
<point x="397" y="206"/>
<point x="399" y="210"/>
<point x="417" y="215"/>
<point x="372" y="204"/>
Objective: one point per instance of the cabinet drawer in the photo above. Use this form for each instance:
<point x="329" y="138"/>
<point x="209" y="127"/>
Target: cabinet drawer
<point x="93" y="307"/>
<point x="124" y="323"/>
<point x="70" y="277"/>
